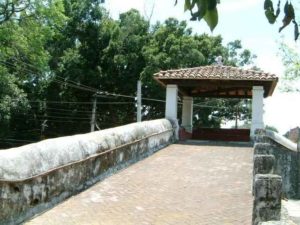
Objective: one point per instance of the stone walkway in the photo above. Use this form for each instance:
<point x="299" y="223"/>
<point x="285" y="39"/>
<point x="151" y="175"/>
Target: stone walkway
<point x="181" y="184"/>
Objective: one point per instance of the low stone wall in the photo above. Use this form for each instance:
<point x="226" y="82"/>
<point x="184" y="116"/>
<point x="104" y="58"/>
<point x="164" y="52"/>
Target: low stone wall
<point x="273" y="154"/>
<point x="287" y="160"/>
<point x="37" y="176"/>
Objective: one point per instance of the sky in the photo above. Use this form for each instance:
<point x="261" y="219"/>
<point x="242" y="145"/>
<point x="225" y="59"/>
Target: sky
<point x="238" y="20"/>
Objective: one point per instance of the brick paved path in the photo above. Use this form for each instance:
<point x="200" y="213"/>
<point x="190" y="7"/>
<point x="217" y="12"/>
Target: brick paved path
<point x="182" y="184"/>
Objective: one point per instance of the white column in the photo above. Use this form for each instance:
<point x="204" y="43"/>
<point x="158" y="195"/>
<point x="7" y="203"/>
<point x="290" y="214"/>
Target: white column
<point x="171" y="102"/>
<point x="257" y="109"/>
<point x="187" y="113"/>
<point x="171" y="107"/>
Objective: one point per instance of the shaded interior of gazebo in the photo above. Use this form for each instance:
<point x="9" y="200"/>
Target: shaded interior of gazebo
<point x="215" y="82"/>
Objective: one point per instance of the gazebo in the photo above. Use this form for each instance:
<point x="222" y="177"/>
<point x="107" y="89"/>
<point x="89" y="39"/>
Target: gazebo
<point x="216" y="82"/>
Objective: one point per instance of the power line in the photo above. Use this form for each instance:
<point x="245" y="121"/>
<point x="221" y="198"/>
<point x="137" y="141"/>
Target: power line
<point x="208" y="106"/>
<point x="100" y="94"/>
<point x="61" y="121"/>
<point x="67" y="110"/>
<point x="90" y="89"/>
<point x="155" y="100"/>
<point x="81" y="87"/>
<point x="58" y="121"/>
<point x="71" y="115"/>
<point x="75" y="84"/>
<point x="64" y="112"/>
<point x="87" y="88"/>
<point x="89" y="103"/>
<point x="64" y="117"/>
<point x="15" y="140"/>
<point x="63" y="79"/>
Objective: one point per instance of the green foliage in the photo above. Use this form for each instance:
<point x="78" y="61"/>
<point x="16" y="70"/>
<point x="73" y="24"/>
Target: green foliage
<point x="206" y="9"/>
<point x="56" y="46"/>
<point x="211" y="112"/>
<point x="269" y="11"/>
<point x="10" y="9"/>
<point x="237" y="56"/>
<point x="24" y="63"/>
<point x="12" y="99"/>
<point x="291" y="61"/>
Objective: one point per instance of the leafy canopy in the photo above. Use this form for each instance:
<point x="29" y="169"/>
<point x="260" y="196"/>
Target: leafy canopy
<point x="53" y="47"/>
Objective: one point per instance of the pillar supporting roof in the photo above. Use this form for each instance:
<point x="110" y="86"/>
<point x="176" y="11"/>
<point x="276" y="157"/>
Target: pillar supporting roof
<point x="217" y="81"/>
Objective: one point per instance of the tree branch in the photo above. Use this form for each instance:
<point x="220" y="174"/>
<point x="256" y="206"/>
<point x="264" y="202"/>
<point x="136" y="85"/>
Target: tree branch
<point x="10" y="8"/>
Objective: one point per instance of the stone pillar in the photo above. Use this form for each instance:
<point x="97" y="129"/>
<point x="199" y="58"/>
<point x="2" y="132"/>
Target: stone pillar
<point x="263" y="149"/>
<point x="187" y="113"/>
<point x="262" y="164"/>
<point x="171" y="106"/>
<point x="257" y="109"/>
<point x="267" y="198"/>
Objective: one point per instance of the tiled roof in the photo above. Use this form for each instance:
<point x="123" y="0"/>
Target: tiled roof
<point x="215" y="72"/>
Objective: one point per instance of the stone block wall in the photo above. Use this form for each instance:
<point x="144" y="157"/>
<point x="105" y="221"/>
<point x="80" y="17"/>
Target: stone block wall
<point x="267" y="198"/>
<point x="276" y="172"/>
<point x="287" y="162"/>
<point x="37" y="176"/>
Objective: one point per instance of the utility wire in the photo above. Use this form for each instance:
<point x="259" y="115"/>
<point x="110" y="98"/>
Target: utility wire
<point x="15" y="140"/>
<point x="96" y="91"/>
<point x="60" y="121"/>
<point x="67" y="114"/>
<point x="50" y="111"/>
<point x="66" y="110"/>
<point x="64" y="117"/>
<point x="87" y="88"/>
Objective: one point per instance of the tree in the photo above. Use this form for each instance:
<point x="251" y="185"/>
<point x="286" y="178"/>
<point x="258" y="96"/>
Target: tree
<point x="10" y="9"/>
<point x="207" y="10"/>
<point x="76" y="71"/>
<point x="58" y="55"/>
<point x="237" y="56"/>
<point x="174" y="46"/>
<point x="24" y="65"/>
<point x="291" y="61"/>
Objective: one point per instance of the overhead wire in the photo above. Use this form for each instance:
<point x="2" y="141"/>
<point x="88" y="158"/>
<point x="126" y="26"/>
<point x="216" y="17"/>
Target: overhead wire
<point x="97" y="92"/>
<point x="63" y="117"/>
<point x="15" y="140"/>
<point x="59" y="121"/>
<point x="65" y="114"/>
<point x="101" y="93"/>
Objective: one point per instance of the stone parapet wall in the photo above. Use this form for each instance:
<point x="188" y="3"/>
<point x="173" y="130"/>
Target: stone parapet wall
<point x="37" y="176"/>
<point x="276" y="173"/>
<point x="287" y="160"/>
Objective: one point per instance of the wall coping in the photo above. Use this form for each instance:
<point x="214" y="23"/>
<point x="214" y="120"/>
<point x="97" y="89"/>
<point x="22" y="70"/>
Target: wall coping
<point x="281" y="140"/>
<point x="31" y="160"/>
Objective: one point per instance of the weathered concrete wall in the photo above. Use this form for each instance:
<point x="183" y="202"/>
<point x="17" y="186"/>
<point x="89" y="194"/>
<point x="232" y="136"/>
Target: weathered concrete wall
<point x="38" y="176"/>
<point x="267" y="198"/>
<point x="287" y="160"/>
<point x="286" y="165"/>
